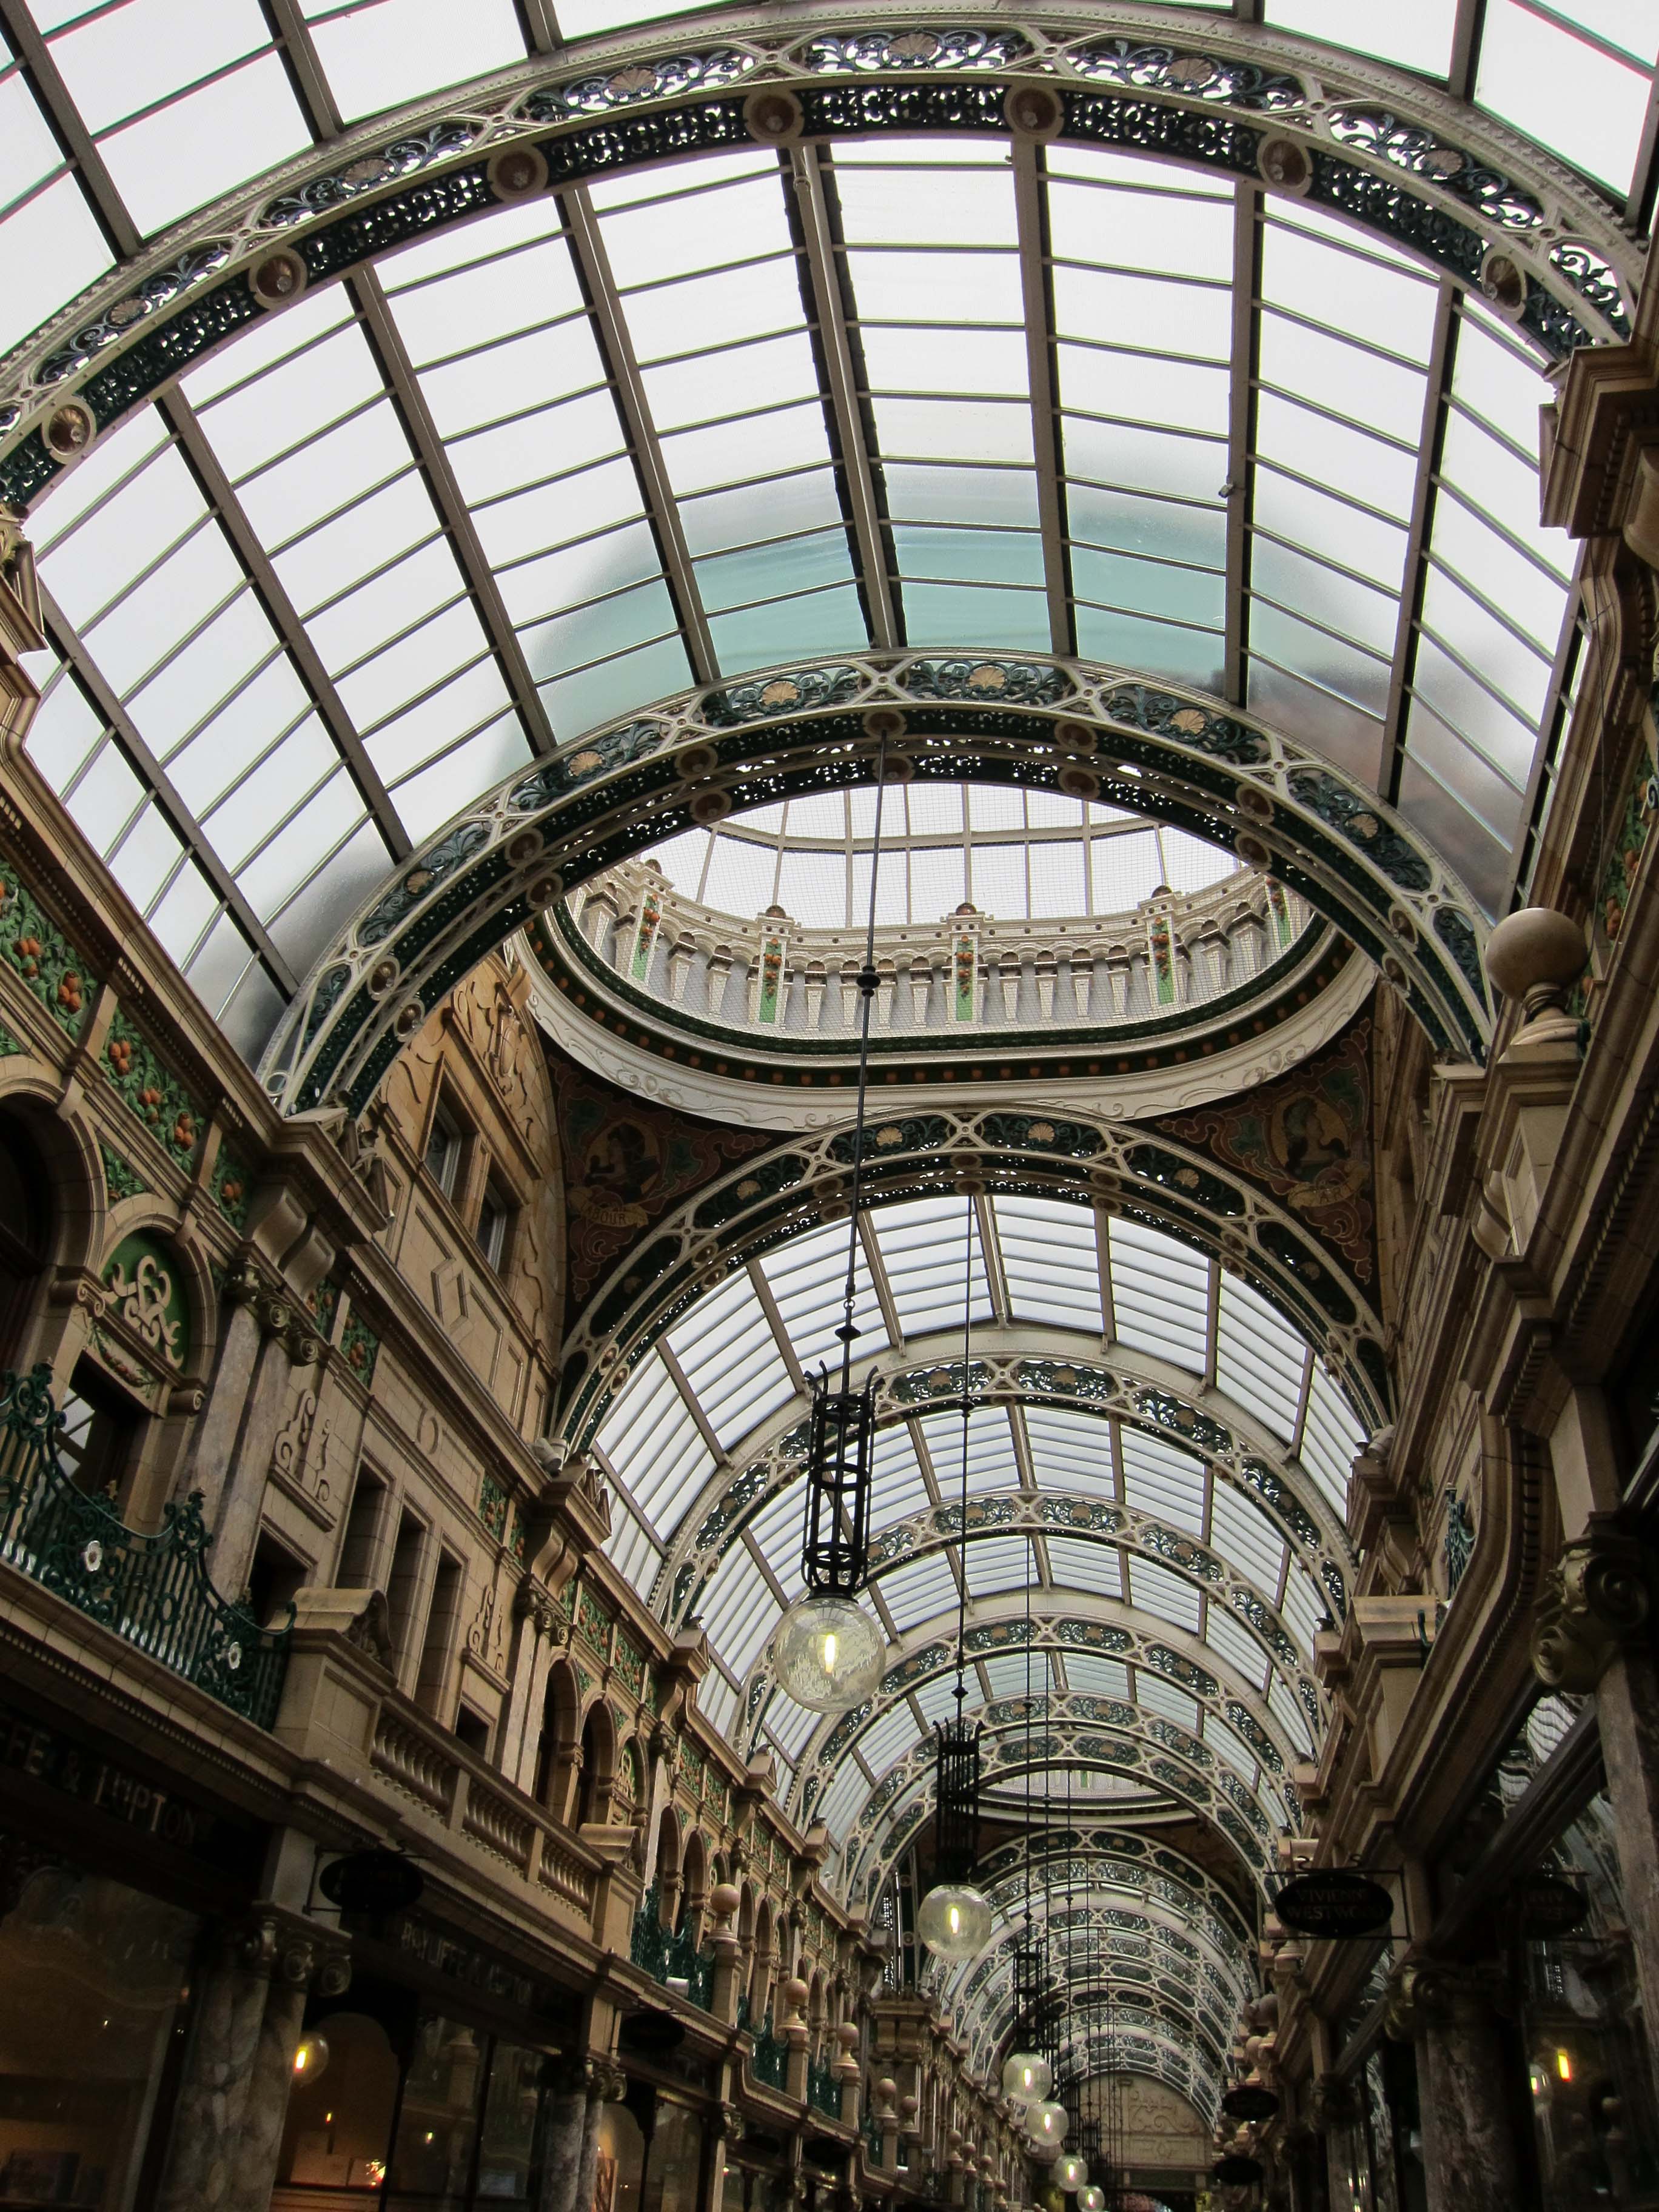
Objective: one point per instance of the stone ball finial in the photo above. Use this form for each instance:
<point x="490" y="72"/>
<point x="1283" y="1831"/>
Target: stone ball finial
<point x="795" y="1994"/>
<point x="1534" y="955"/>
<point x="848" y="2035"/>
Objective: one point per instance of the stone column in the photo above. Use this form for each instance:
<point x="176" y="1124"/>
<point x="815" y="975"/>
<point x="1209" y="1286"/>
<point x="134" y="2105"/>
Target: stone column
<point x="609" y="2085"/>
<point x="535" y="1620"/>
<point x="291" y="1343"/>
<point x="567" y="2130"/>
<point x="213" y="2092"/>
<point x="232" y="2101"/>
<point x="1593" y="1634"/>
<point x="1470" y="2149"/>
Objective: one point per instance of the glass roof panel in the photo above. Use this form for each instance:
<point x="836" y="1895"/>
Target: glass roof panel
<point x="1330" y="1438"/>
<point x="915" y="1240"/>
<point x="1079" y="1565"/>
<point x="1242" y="1653"/>
<point x="1097" y="1676"/>
<point x="731" y="1358"/>
<point x="651" y="1439"/>
<point x="807" y="1279"/>
<point x="1170" y="1485"/>
<point x="917" y="1592"/>
<point x="1070" y="1451"/>
<point x="1568" y="93"/>
<point x="1160" y="1294"/>
<point x="739" y="1611"/>
<point x="1415" y="34"/>
<point x="993" y="1463"/>
<point x="1245" y="1535"/>
<point x="1157" y="1589"/>
<point x="1049" y="1261"/>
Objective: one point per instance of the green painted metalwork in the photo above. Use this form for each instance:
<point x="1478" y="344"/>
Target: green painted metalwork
<point x="769" y="2061"/>
<point x="672" y="1957"/>
<point x="822" y="2090"/>
<point x="153" y="1591"/>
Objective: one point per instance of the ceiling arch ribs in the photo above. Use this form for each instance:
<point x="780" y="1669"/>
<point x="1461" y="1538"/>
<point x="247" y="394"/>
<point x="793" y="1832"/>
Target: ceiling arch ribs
<point x="1090" y="1736"/>
<point x="1118" y="1173"/>
<point x="1080" y="1929"/>
<point x="1259" y="81"/>
<point x="1161" y="1884"/>
<point x="1014" y="1365"/>
<point x="806" y="728"/>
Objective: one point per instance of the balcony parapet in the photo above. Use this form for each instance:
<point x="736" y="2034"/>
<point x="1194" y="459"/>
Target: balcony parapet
<point x="775" y="979"/>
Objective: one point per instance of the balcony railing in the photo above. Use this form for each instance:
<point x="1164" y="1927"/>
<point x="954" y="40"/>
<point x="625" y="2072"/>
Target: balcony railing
<point x="671" y="1958"/>
<point x="823" y="2089"/>
<point x="153" y="1591"/>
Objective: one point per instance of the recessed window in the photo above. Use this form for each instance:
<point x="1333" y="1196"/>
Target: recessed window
<point x="495" y="1225"/>
<point x="95" y="1443"/>
<point x="473" y="1730"/>
<point x="443" y="1149"/>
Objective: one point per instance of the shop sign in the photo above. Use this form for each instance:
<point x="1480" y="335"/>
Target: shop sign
<point x="1544" y="1905"/>
<point x="1334" y="1903"/>
<point x="373" y="1882"/>
<point x="1235" y="2172"/>
<point x="56" y="1761"/>
<point x="1250" y="2101"/>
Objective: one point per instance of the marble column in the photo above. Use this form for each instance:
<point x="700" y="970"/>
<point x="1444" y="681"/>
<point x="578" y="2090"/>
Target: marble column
<point x="1592" y="1632"/>
<point x="565" y="2134"/>
<point x="213" y="2093"/>
<point x="261" y="2141"/>
<point x="232" y="2099"/>
<point x="1471" y="2151"/>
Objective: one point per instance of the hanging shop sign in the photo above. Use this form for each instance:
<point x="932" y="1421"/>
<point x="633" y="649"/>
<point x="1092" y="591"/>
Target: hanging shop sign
<point x="1250" y="2101"/>
<point x="1544" y="1905"/>
<point x="373" y="1883"/>
<point x="1334" y="1903"/>
<point x="1234" y="2173"/>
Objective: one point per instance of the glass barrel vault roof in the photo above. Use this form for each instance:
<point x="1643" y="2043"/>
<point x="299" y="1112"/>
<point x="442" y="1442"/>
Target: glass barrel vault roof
<point x="385" y="546"/>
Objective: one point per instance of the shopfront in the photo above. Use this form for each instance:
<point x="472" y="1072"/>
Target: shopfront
<point x="434" y="2082"/>
<point x="115" y="1882"/>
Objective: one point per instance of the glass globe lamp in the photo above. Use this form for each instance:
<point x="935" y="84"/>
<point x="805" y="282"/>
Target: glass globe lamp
<point x="829" y="1653"/>
<point x="1027" y="2076"/>
<point x="1046" y="2124"/>
<point x="1091" y="2200"/>
<point x="1070" y="2171"/>
<point x="955" y="1921"/>
<point x="310" y="2057"/>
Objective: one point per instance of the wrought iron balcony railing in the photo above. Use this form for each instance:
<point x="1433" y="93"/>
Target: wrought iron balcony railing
<point x="823" y="2089"/>
<point x="153" y="1591"/>
<point x="675" y="1957"/>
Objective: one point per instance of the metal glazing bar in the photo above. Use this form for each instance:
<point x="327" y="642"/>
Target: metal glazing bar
<point x="1442" y="351"/>
<point x="25" y="41"/>
<point x="825" y="303"/>
<point x="540" y="26"/>
<point x="1241" y="434"/>
<point x="1031" y="223"/>
<point x="1552" y="732"/>
<point x="1466" y="26"/>
<point x="305" y="68"/>
<point x="183" y="821"/>
<point x="192" y="442"/>
<point x="616" y="351"/>
<point x="385" y="341"/>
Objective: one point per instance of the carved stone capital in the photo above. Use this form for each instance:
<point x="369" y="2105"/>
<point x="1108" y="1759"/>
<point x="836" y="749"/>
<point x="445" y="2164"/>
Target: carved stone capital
<point x="531" y="1602"/>
<point x="1422" y="1991"/>
<point x="1597" y="1599"/>
<point x="284" y="1947"/>
<point x="1332" y="2102"/>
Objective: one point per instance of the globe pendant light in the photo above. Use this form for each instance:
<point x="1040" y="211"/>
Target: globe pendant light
<point x="1071" y="2172"/>
<point x="829" y="1653"/>
<point x="1027" y="2077"/>
<point x="1091" y="2200"/>
<point x="954" y="1919"/>
<point x="1045" y="2125"/>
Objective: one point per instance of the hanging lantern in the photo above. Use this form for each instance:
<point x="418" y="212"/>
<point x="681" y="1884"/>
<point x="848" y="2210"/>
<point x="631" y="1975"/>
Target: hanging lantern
<point x="1071" y="2172"/>
<point x="310" y="2057"/>
<point x="1045" y="2125"/>
<point x="830" y="1653"/>
<point x="955" y="1919"/>
<point x="1027" y="2076"/>
<point x="1091" y="2200"/>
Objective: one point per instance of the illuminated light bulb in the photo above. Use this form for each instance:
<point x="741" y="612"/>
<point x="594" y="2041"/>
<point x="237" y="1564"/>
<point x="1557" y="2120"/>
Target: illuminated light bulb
<point x="1045" y="2125"/>
<point x="1091" y="2200"/>
<point x="1071" y="2173"/>
<point x="1027" y="2076"/>
<point x="310" y="2057"/>
<point x="1564" y="2065"/>
<point x="830" y="1655"/>
<point x="955" y="1921"/>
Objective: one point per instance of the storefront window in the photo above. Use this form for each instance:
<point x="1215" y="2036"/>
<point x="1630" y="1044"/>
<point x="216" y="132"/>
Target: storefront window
<point x="93" y="1978"/>
<point x="339" y="2110"/>
<point x="673" y="2171"/>
<point x="619" y="2161"/>
<point x="1592" y="2113"/>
